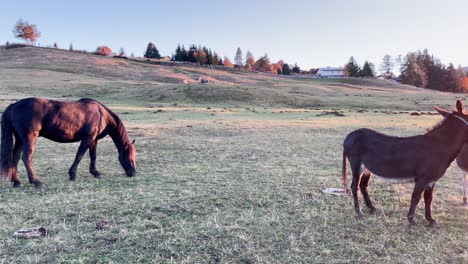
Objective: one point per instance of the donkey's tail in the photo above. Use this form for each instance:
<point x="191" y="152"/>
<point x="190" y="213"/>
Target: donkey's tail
<point x="6" y="152"/>
<point x="345" y="173"/>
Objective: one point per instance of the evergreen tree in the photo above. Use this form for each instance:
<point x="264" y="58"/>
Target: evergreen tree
<point x="296" y="69"/>
<point x="367" y="70"/>
<point x="352" y="68"/>
<point x="286" y="70"/>
<point x="178" y="56"/>
<point x="71" y="47"/>
<point x="201" y="56"/>
<point x="152" y="52"/>
<point x="192" y="53"/>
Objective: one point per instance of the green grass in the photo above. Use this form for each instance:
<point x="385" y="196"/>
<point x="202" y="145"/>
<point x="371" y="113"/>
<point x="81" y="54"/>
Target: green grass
<point x="226" y="180"/>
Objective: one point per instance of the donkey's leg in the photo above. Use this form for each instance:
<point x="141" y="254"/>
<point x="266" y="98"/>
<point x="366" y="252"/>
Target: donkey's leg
<point x="92" y="156"/>
<point x="28" y="151"/>
<point x="465" y="189"/>
<point x="415" y="197"/>
<point x="84" y="145"/>
<point x="428" y="198"/>
<point x="356" y="169"/>
<point x="364" y="186"/>
<point x="16" y="157"/>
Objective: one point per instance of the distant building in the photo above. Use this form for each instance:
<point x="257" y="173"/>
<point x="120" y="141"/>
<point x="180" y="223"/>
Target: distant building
<point x="330" y="72"/>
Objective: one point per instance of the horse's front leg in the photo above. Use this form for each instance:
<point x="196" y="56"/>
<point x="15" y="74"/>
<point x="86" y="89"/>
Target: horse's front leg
<point x="84" y="145"/>
<point x="428" y="199"/>
<point x="465" y="189"/>
<point x="28" y="151"/>
<point x="92" y="164"/>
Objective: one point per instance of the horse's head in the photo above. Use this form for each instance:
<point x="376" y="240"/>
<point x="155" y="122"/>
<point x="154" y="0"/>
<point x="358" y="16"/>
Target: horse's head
<point x="127" y="157"/>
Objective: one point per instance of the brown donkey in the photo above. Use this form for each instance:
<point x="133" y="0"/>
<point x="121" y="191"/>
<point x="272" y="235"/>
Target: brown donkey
<point x="462" y="162"/>
<point x="420" y="159"/>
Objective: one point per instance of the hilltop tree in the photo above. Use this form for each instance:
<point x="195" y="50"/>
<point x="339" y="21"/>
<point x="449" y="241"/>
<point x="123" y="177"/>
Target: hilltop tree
<point x="249" y="61"/>
<point x="263" y="64"/>
<point x="387" y="65"/>
<point x="238" y="58"/>
<point x="367" y="70"/>
<point x="286" y="70"/>
<point x="192" y="53"/>
<point x="103" y="51"/>
<point x="71" y="47"/>
<point x="202" y="56"/>
<point x="296" y="69"/>
<point x="55" y="45"/>
<point x="122" y="52"/>
<point x="228" y="63"/>
<point x="152" y="52"/>
<point x="352" y="69"/>
<point x="27" y="32"/>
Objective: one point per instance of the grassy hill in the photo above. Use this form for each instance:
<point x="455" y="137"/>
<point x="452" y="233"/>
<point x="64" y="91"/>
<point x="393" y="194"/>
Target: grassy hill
<point x="227" y="172"/>
<point x="60" y="73"/>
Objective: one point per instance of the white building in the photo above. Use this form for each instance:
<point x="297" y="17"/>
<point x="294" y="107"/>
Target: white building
<point x="330" y="72"/>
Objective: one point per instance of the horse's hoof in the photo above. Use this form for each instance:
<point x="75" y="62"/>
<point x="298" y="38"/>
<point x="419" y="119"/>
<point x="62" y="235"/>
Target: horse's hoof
<point x="412" y="223"/>
<point x="434" y="224"/>
<point x="37" y="184"/>
<point x="465" y="204"/>
<point x="72" y="176"/>
<point x="16" y="184"/>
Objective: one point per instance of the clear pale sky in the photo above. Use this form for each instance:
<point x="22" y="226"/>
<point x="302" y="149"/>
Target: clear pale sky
<point x="310" y="33"/>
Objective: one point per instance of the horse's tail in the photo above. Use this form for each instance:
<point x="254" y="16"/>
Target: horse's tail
<point x="6" y="152"/>
<point x="345" y="173"/>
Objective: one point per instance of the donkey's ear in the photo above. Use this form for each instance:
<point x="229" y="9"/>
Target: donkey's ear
<point x="442" y="111"/>
<point x="460" y="106"/>
<point x="133" y="142"/>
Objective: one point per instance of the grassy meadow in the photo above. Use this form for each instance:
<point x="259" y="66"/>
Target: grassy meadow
<point x="228" y="172"/>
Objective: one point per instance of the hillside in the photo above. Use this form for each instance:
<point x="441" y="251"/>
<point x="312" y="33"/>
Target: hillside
<point x="60" y="73"/>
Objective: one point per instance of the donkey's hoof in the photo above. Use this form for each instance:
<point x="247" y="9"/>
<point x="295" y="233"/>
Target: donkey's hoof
<point x="37" y="184"/>
<point x="16" y="184"/>
<point x="96" y="174"/>
<point x="72" y="176"/>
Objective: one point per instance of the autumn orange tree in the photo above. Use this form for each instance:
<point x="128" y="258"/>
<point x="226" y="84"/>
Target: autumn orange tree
<point x="228" y="63"/>
<point x="103" y="51"/>
<point x="26" y="31"/>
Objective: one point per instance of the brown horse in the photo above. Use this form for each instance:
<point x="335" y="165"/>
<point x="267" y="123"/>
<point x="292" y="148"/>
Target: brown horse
<point x="85" y="120"/>
<point x="420" y="159"/>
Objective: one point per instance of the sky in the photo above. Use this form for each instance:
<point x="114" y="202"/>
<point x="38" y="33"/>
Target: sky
<point x="307" y="32"/>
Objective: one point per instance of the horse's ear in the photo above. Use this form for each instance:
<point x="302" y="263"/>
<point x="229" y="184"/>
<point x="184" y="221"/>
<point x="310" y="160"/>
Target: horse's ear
<point x="133" y="142"/>
<point x="442" y="111"/>
<point x="460" y="106"/>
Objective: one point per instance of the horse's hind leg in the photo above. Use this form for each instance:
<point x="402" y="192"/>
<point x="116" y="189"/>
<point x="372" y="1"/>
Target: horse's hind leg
<point x="356" y="170"/>
<point x="465" y="189"/>
<point x="16" y="157"/>
<point x="92" y="164"/>
<point x="79" y="155"/>
<point x="28" y="151"/>
<point x="364" y="186"/>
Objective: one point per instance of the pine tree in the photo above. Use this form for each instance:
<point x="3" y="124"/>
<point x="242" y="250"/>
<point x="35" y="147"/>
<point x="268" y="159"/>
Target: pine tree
<point x="71" y="47"/>
<point x="296" y="69"/>
<point x="367" y="70"/>
<point x="286" y="70"/>
<point x="201" y="56"/>
<point x="352" y="68"/>
<point x="152" y="52"/>
<point x="192" y="53"/>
